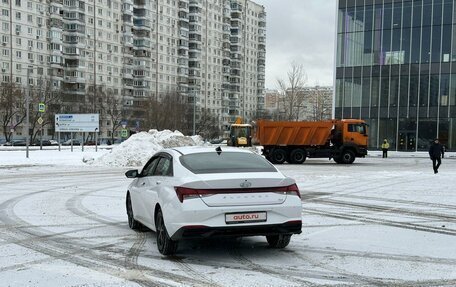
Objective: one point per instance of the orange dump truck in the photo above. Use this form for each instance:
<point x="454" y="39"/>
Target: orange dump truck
<point x="341" y="140"/>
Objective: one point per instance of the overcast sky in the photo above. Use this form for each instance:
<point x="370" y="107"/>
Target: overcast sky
<point x="300" y="31"/>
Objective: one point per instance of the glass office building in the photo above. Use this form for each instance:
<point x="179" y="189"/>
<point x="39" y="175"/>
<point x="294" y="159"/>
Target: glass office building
<point x="396" y="69"/>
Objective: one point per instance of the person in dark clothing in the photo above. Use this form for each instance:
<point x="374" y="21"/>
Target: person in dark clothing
<point x="435" y="153"/>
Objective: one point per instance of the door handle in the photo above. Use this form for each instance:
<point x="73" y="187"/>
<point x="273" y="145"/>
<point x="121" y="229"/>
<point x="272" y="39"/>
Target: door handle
<point x="158" y="182"/>
<point x="144" y="183"/>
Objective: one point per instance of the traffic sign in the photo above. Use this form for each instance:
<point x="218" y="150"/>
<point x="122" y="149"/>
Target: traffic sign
<point x="40" y="120"/>
<point x="124" y="133"/>
<point x="41" y="107"/>
<point x="77" y="122"/>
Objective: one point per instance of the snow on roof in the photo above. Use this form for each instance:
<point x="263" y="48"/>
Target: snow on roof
<point x="138" y="149"/>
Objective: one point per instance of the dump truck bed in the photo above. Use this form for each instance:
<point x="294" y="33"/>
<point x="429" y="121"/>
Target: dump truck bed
<point x="277" y="133"/>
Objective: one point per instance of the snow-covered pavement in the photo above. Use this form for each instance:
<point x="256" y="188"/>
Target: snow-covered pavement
<point x="374" y="223"/>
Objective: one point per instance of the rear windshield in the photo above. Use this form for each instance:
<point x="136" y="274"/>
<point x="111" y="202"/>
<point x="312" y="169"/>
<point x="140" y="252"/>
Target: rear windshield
<point x="226" y="162"/>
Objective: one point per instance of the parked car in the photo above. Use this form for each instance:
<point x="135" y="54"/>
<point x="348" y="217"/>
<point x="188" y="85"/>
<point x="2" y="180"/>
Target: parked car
<point x="68" y="142"/>
<point x="54" y="142"/>
<point x="36" y="142"/>
<point x="201" y="192"/>
<point x="217" y="141"/>
<point x="15" y="143"/>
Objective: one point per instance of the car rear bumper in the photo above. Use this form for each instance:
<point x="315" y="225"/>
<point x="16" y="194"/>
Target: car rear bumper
<point x="199" y="231"/>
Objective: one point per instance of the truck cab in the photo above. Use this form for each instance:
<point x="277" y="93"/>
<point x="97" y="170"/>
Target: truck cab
<point x="351" y="139"/>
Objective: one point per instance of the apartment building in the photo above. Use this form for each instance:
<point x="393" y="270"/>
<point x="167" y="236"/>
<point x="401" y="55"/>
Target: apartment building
<point x="212" y="52"/>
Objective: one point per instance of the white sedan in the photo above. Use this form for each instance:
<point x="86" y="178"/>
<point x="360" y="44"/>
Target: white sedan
<point x="202" y="192"/>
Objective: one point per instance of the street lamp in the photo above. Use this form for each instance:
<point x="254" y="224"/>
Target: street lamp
<point x="27" y="113"/>
<point x="194" y="113"/>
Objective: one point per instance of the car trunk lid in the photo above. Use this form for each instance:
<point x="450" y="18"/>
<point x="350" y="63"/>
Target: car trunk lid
<point x="241" y="189"/>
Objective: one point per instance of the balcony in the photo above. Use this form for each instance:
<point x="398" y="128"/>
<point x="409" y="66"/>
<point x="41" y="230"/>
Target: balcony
<point x="183" y="5"/>
<point x="194" y="47"/>
<point x="236" y="7"/>
<point x="74" y="80"/>
<point x="140" y="2"/>
<point x="140" y="13"/>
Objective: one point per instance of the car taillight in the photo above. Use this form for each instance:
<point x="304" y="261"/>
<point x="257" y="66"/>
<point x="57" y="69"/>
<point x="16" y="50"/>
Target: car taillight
<point x="293" y="190"/>
<point x="186" y="193"/>
<point x="289" y="190"/>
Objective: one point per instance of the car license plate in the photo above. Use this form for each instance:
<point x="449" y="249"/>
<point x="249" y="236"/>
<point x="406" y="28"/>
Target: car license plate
<point x="245" y="217"/>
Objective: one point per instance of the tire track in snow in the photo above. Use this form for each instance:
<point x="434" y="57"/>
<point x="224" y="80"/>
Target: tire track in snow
<point x="386" y="209"/>
<point x="358" y="218"/>
<point x="82" y="254"/>
<point x="343" y="273"/>
<point x="187" y="268"/>
<point x="293" y="277"/>
<point x="75" y="205"/>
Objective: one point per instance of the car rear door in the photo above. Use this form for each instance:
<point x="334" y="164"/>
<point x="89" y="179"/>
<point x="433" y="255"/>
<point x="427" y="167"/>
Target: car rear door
<point x="138" y="190"/>
<point x="157" y="184"/>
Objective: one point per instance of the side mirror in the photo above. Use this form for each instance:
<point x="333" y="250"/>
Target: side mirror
<point x="132" y="173"/>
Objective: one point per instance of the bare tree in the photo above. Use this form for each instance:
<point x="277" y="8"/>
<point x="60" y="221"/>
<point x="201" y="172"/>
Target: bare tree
<point x="319" y="99"/>
<point x="112" y="109"/>
<point x="207" y="125"/>
<point x="12" y="108"/>
<point x="51" y="99"/>
<point x="168" y="113"/>
<point x="291" y="96"/>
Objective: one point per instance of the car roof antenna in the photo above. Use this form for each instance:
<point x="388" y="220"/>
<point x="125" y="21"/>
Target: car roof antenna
<point x="218" y="150"/>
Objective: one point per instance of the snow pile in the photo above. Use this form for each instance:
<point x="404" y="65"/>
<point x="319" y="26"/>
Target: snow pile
<point x="138" y="149"/>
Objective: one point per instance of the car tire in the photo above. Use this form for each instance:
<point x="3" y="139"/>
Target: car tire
<point x="278" y="241"/>
<point x="132" y="223"/>
<point x="165" y="245"/>
<point x="348" y="157"/>
<point x="298" y="156"/>
<point x="278" y="156"/>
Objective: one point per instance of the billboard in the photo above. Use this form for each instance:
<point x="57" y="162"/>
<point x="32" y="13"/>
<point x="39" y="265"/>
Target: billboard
<point x="77" y="123"/>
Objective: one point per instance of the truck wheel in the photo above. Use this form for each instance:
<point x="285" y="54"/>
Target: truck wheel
<point x="298" y="156"/>
<point x="338" y="160"/>
<point x="348" y="157"/>
<point x="278" y="156"/>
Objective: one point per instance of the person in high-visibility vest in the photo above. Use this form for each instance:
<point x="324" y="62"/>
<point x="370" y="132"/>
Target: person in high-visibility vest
<point x="385" y="147"/>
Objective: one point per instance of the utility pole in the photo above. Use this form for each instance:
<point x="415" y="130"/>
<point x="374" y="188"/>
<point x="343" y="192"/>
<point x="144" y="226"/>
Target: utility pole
<point x="194" y="114"/>
<point x="27" y="114"/>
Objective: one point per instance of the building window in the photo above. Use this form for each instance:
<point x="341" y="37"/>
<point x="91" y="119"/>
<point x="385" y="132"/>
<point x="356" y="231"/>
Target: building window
<point x="5" y="12"/>
<point x="18" y="3"/>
